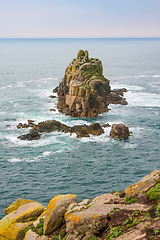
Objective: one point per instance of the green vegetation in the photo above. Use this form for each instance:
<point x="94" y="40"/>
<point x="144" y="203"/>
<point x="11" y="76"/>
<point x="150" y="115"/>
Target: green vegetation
<point x="158" y="210"/>
<point x="132" y="220"/>
<point x="26" y="230"/>
<point x="157" y="231"/>
<point x="129" y="200"/>
<point x="92" y="238"/>
<point x="115" y="233"/>
<point x="154" y="192"/>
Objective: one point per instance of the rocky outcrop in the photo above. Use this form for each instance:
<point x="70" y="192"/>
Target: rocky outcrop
<point x="84" y="91"/>
<point x="12" y="226"/>
<point x="119" y="131"/>
<point x="143" y="185"/>
<point x="132" y="214"/>
<point x="55" y="126"/>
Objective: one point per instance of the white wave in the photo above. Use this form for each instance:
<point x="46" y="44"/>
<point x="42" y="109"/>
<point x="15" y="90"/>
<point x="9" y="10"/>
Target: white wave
<point x="46" y="153"/>
<point x="14" y="160"/>
<point x="20" y="84"/>
<point x="128" y="87"/>
<point x="143" y="99"/>
<point x="8" y="86"/>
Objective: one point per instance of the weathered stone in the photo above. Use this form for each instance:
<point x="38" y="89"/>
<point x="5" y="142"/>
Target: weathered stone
<point x="15" y="205"/>
<point x="30" y="235"/>
<point x="94" y="217"/>
<point x="15" y="231"/>
<point x="23" y="214"/>
<point x="53" y="125"/>
<point x="84" y="79"/>
<point x="143" y="185"/>
<point x="119" y="131"/>
<point x="55" y="211"/>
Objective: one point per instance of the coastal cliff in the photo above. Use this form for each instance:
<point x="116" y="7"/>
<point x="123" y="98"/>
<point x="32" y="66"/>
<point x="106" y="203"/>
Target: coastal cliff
<point x="131" y="214"/>
<point x="84" y="91"/>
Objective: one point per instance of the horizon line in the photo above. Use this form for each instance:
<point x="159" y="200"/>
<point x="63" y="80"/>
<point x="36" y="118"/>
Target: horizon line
<point x="79" y="37"/>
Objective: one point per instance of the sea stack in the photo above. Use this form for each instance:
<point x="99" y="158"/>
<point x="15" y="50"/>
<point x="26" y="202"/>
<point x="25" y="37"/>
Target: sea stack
<point x="84" y="89"/>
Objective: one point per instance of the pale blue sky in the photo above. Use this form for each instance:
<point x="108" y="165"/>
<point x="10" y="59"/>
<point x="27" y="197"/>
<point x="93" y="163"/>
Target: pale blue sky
<point x="79" y="18"/>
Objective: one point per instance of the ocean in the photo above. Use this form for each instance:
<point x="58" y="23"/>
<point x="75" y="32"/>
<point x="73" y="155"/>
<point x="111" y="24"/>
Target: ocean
<point x="59" y="163"/>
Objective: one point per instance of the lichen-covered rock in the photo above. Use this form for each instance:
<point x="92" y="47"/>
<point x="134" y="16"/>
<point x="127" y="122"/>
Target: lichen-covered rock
<point x="15" y="205"/>
<point x="17" y="221"/>
<point x="119" y="131"/>
<point x="55" y="211"/>
<point x="94" y="217"/>
<point x="84" y="91"/>
<point x="143" y="185"/>
<point x="15" y="231"/>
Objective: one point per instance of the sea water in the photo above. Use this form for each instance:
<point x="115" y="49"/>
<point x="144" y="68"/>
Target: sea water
<point x="59" y="163"/>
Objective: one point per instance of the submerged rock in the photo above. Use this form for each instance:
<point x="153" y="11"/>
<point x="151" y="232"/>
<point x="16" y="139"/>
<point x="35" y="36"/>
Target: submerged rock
<point x="84" y="91"/>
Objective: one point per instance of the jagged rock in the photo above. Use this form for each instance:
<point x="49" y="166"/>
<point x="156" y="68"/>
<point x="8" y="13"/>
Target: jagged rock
<point x="30" y="124"/>
<point x="55" y="90"/>
<point x="84" y="91"/>
<point x="13" y="224"/>
<point x="55" y="211"/>
<point x="15" y="205"/>
<point x="52" y="109"/>
<point x="143" y="185"/>
<point x="56" y="126"/>
<point x="119" y="131"/>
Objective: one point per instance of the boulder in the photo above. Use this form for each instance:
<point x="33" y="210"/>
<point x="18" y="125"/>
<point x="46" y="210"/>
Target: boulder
<point x="55" y="211"/>
<point x="15" y="231"/>
<point x="119" y="131"/>
<point x="84" y="91"/>
<point x="143" y="185"/>
<point x="15" y="205"/>
<point x="17" y="221"/>
<point x="30" y="235"/>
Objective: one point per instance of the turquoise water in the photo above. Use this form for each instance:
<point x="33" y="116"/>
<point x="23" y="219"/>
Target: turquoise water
<point x="59" y="163"/>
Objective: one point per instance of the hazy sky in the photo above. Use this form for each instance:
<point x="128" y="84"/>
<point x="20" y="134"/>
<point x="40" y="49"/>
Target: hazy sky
<point x="79" y="18"/>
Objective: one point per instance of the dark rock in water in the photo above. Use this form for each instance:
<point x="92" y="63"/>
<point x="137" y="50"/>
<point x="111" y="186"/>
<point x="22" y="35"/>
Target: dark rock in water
<point x="56" y="126"/>
<point x="104" y="125"/>
<point x="51" y="96"/>
<point x="34" y="135"/>
<point x="119" y="131"/>
<point x="84" y="91"/>
<point x="52" y="109"/>
<point x="55" y="90"/>
<point x="30" y="124"/>
<point x="7" y="126"/>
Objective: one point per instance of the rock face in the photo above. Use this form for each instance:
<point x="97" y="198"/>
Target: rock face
<point x="84" y="91"/>
<point x="119" y="131"/>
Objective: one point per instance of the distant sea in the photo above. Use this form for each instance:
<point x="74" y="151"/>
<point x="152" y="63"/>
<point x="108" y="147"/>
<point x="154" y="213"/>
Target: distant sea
<point x="59" y="163"/>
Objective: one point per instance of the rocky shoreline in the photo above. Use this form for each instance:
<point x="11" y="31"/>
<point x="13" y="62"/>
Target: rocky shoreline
<point x="131" y="214"/>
